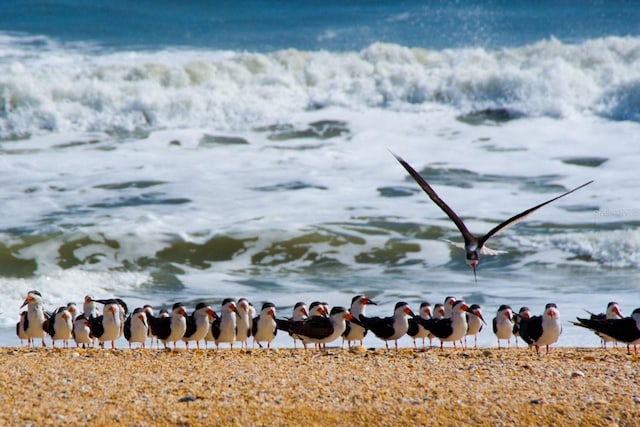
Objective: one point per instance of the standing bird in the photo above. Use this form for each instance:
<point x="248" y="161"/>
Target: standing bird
<point x="390" y="328"/>
<point x="36" y="316"/>
<point x="523" y="313"/>
<point x="448" y="329"/>
<point x="172" y="328"/>
<point x="355" y="332"/>
<point x="73" y="310"/>
<point x="474" y="246"/>
<point x="503" y="325"/>
<point x="613" y="312"/>
<point x="198" y="324"/>
<point x="625" y="330"/>
<point x="416" y="330"/>
<point x="318" y="330"/>
<point x="300" y="313"/>
<point x="60" y="326"/>
<point x="136" y="328"/>
<point x="244" y="322"/>
<point x="475" y="322"/>
<point x="224" y="326"/>
<point x="82" y="331"/>
<point x="448" y="306"/>
<point x="108" y="326"/>
<point x="264" y="325"/>
<point x="89" y="308"/>
<point x="542" y="330"/>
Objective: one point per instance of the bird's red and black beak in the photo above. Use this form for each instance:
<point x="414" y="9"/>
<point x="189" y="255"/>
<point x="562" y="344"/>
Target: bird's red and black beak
<point x="27" y="300"/>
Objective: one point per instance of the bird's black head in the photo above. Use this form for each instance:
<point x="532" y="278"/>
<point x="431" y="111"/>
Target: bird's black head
<point x="268" y="305"/>
<point x="200" y="305"/>
<point x="338" y="309"/>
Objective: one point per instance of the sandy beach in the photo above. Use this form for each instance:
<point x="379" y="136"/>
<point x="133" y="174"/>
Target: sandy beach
<point x="571" y="386"/>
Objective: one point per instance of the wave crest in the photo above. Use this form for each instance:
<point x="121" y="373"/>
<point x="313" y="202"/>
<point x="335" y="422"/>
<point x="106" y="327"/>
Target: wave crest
<point x="70" y="89"/>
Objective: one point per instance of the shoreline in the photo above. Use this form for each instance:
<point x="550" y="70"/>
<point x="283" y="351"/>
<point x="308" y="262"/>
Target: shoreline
<point x="485" y="386"/>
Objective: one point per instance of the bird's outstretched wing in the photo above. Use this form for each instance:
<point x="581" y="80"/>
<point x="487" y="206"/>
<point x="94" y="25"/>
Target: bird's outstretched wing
<point x="519" y="217"/>
<point x="466" y="234"/>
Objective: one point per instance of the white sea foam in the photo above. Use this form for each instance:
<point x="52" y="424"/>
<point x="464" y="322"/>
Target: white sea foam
<point x="66" y="89"/>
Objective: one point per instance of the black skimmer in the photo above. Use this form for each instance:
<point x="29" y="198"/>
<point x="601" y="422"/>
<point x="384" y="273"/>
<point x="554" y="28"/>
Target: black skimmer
<point x="474" y="246"/>
<point x="60" y="326"/>
<point x="318" y="329"/>
<point x="390" y="328"/>
<point x="82" y="331"/>
<point x="89" y="308"/>
<point x="452" y="329"/>
<point x="224" y="326"/>
<point x="613" y="312"/>
<point x="244" y="321"/>
<point x="198" y="324"/>
<point x="264" y="325"/>
<point x="73" y="310"/>
<point x="136" y="327"/>
<point x="108" y="326"/>
<point x="475" y="321"/>
<point x="448" y="306"/>
<point x="317" y="308"/>
<point x="524" y="312"/>
<point x="20" y="332"/>
<point x="299" y="314"/>
<point x="542" y="330"/>
<point x="438" y="311"/>
<point x="36" y="316"/>
<point x="354" y="331"/>
<point x="625" y="330"/>
<point x="503" y="324"/>
<point x="172" y="328"/>
<point x="416" y="330"/>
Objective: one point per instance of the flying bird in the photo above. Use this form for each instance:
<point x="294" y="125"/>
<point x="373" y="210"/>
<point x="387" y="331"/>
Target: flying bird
<point x="474" y="246"/>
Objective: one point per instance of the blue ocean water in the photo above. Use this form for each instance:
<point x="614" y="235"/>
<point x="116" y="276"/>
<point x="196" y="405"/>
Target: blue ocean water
<point x="193" y="151"/>
<point x="265" y="26"/>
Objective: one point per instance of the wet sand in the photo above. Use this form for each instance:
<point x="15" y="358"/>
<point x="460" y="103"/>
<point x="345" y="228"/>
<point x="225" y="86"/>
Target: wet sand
<point x="571" y="386"/>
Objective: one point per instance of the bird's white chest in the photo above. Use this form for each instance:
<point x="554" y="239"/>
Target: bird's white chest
<point x="112" y="327"/>
<point x="400" y="327"/>
<point x="81" y="332"/>
<point x="504" y="327"/>
<point x="36" y="318"/>
<point x="244" y="327"/>
<point x="62" y="328"/>
<point x="474" y="324"/>
<point x="202" y="328"/>
<point x="459" y="326"/>
<point x="178" y="328"/>
<point x="138" y="331"/>
<point x="551" y="330"/>
<point x="265" y="330"/>
<point x="227" y="329"/>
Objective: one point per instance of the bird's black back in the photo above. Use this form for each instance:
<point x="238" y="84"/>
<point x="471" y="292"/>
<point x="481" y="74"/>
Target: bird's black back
<point x="127" y="328"/>
<point x="623" y="330"/>
<point x="191" y="325"/>
<point x="441" y="328"/>
<point x="382" y="327"/>
<point x="96" y="327"/>
<point x="531" y="329"/>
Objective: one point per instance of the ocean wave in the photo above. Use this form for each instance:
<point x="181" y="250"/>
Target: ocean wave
<point x="46" y="87"/>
